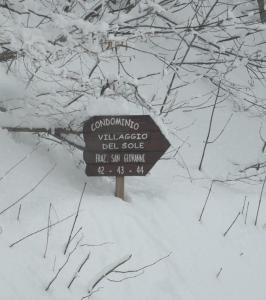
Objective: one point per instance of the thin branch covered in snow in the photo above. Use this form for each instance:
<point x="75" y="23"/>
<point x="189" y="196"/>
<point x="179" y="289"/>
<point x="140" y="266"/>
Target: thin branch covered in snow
<point x="96" y="245"/>
<point x="105" y="272"/>
<point x="64" y="58"/>
<point x="79" y="269"/>
<point x="112" y="269"/>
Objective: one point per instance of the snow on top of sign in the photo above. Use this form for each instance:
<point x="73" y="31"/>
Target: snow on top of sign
<point x="108" y="106"/>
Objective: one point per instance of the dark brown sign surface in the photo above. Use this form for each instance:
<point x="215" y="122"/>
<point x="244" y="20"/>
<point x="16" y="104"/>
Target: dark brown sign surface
<point x="122" y="145"/>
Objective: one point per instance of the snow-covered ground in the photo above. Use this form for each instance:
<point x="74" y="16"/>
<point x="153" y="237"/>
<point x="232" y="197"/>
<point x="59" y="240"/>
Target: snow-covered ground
<point x="158" y="224"/>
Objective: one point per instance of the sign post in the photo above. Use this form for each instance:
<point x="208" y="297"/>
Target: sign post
<point x="122" y="145"/>
<point x="120" y="187"/>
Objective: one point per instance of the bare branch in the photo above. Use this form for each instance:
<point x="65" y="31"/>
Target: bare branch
<point x="78" y="271"/>
<point x="40" y="230"/>
<point x="205" y="203"/>
<point x="48" y="230"/>
<point x="225" y="233"/>
<point x="76" y="217"/>
<point x="144" y="267"/>
<point x="210" y="126"/>
<point x="61" y="268"/>
<point x="258" y="209"/>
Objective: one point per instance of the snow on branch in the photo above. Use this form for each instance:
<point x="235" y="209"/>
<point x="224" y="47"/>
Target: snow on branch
<point x="106" y="271"/>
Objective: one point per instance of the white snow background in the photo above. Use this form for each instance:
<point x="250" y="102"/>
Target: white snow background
<point x="174" y="255"/>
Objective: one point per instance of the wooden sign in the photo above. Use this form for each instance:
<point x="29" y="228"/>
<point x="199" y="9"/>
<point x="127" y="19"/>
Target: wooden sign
<point x="122" y="145"/>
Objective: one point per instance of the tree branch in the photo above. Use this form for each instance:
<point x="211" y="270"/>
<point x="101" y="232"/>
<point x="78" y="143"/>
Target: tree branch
<point x="56" y="132"/>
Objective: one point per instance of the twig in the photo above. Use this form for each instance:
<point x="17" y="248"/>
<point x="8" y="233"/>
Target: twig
<point x="80" y="228"/>
<point x="54" y="263"/>
<point x="19" y="210"/>
<point x="106" y="272"/>
<point x="261" y="192"/>
<point x="91" y="293"/>
<point x="262" y="139"/>
<point x="61" y="268"/>
<point x="18" y="163"/>
<point x="246" y="213"/>
<point x="48" y="230"/>
<point x="76" y="216"/>
<point x="184" y="166"/>
<point x="32" y="76"/>
<point x="67" y="141"/>
<point x="93" y="69"/>
<point x="218" y="274"/>
<point x="96" y="245"/>
<point x="145" y="267"/>
<point x="244" y="204"/>
<point x="208" y="14"/>
<point x="74" y="100"/>
<point x="174" y="75"/>
<point x="225" y="233"/>
<point x="56" y="132"/>
<point x="222" y="131"/>
<point x="125" y="278"/>
<point x="206" y="201"/>
<point x="167" y="93"/>
<point x="40" y="230"/>
<point x="210" y="126"/>
<point x="78" y="271"/>
<point x="30" y="191"/>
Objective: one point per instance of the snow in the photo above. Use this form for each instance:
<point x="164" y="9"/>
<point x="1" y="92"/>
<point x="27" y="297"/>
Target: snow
<point x="165" y="251"/>
<point x="9" y="85"/>
<point x="159" y="217"/>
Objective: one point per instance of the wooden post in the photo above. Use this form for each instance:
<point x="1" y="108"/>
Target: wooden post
<point x="120" y="187"/>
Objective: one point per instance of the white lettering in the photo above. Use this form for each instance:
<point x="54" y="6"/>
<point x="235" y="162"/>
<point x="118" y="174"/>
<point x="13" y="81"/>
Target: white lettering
<point x="123" y="136"/>
<point x="135" y="158"/>
<point x="115" y="121"/>
<point x="110" y="146"/>
<point x="115" y="158"/>
<point x="139" y="145"/>
<point x="101" y="158"/>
